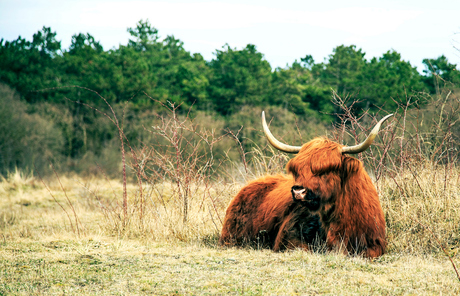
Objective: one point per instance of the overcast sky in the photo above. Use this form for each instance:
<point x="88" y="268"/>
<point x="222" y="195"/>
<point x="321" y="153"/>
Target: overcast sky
<point x="282" y="30"/>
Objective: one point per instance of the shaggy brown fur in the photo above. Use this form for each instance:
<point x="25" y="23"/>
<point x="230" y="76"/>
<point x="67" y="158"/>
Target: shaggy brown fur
<point x="339" y="190"/>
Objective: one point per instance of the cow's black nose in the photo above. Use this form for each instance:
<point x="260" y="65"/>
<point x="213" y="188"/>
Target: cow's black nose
<point x="298" y="192"/>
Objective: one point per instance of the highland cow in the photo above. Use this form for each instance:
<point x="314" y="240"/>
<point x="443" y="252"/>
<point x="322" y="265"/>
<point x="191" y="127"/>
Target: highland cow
<point x="327" y="196"/>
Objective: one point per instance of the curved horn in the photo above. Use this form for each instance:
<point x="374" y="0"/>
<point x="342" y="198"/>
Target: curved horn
<point x="364" y="145"/>
<point x="275" y="143"/>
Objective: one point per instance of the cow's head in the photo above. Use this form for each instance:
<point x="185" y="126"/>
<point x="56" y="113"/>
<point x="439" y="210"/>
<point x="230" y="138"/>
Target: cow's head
<point x="322" y="170"/>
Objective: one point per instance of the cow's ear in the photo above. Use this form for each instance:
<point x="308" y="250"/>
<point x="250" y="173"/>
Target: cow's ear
<point x="350" y="166"/>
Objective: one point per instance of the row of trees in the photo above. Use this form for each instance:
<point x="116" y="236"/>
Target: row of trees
<point x="54" y="82"/>
<point x="166" y="71"/>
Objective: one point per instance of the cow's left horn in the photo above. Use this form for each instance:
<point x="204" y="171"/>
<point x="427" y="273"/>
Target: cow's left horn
<point x="275" y="143"/>
<point x="364" y="145"/>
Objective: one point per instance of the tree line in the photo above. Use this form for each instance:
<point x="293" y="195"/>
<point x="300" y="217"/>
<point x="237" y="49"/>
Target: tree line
<point x="57" y="84"/>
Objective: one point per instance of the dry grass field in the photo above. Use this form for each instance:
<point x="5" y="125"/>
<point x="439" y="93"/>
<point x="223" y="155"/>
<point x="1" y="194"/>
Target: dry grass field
<point x="70" y="237"/>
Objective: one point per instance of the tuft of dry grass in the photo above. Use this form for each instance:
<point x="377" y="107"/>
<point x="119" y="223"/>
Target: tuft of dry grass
<point x="422" y="209"/>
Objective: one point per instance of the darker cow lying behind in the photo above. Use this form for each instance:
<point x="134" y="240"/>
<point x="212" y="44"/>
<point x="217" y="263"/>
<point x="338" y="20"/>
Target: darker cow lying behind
<point x="327" y="196"/>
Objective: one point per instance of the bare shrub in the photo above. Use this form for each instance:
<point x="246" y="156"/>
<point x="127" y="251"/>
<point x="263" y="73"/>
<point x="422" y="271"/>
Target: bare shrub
<point x="179" y="166"/>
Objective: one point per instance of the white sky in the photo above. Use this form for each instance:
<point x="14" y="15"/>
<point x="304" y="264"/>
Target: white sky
<point x="282" y="30"/>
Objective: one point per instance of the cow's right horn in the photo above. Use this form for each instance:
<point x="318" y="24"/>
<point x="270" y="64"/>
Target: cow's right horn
<point x="275" y="143"/>
<point x="364" y="145"/>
